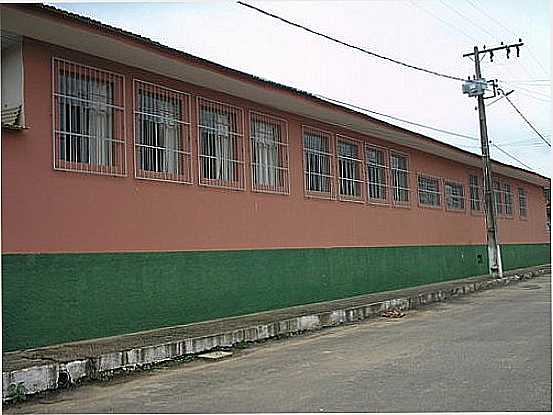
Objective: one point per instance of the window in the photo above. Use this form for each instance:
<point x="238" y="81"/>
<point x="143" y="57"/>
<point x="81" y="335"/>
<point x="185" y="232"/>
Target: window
<point x="376" y="174"/>
<point x="400" y="178"/>
<point x="508" y="199"/>
<point x="161" y="133"/>
<point x="455" y="196"/>
<point x="475" y="189"/>
<point x="522" y="203"/>
<point x="318" y="174"/>
<point x="220" y="147"/>
<point x="269" y="153"/>
<point x="429" y="191"/>
<point x="498" y="197"/>
<point x="89" y="134"/>
<point x="349" y="169"/>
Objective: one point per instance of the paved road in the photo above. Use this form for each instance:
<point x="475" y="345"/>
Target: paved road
<point x="490" y="351"/>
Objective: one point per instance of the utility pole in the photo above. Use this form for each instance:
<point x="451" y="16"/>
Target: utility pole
<point x="477" y="87"/>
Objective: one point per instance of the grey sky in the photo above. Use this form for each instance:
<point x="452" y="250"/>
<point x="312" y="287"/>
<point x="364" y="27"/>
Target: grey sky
<point x="432" y="34"/>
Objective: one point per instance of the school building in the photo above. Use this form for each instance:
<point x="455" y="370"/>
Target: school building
<point x="143" y="187"/>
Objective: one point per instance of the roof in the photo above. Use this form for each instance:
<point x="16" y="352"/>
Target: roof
<point x="105" y="29"/>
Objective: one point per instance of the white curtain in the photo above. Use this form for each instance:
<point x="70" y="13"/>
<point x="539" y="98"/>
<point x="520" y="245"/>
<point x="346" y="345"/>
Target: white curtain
<point x="266" y="153"/>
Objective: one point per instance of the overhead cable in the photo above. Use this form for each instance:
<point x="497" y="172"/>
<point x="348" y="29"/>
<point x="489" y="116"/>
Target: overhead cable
<point x="349" y="45"/>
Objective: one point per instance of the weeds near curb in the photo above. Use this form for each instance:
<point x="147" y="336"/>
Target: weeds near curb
<point x="17" y="392"/>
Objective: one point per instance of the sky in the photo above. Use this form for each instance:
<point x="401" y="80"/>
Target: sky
<point x="427" y="33"/>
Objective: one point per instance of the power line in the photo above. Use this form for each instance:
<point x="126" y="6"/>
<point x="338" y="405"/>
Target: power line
<point x="468" y="19"/>
<point x="527" y="122"/>
<point x="384" y="58"/>
<point x="481" y="10"/>
<point x="455" y="28"/>
<point x="358" y="48"/>
<point x="545" y="96"/>
<point x="425" y="126"/>
<point x="511" y="156"/>
<point x="396" y="118"/>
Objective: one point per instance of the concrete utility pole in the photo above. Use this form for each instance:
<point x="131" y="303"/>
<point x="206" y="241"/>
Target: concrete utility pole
<point x="477" y="88"/>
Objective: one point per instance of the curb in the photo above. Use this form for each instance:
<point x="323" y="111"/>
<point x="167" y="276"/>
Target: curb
<point x="59" y="374"/>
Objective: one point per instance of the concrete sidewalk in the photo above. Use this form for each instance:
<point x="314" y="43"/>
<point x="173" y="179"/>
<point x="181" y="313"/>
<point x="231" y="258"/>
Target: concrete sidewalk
<point x="56" y="366"/>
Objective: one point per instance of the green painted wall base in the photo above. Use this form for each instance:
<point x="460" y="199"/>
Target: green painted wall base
<point x="55" y="298"/>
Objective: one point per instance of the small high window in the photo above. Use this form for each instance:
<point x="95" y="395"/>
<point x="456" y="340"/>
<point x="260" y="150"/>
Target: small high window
<point x="220" y="152"/>
<point x="269" y="153"/>
<point x="89" y="133"/>
<point x="498" y="197"/>
<point x="508" y="199"/>
<point x="162" y="133"/>
<point x="317" y="163"/>
<point x="429" y="191"/>
<point x="522" y="203"/>
<point x="350" y="167"/>
<point x="475" y="189"/>
<point x="399" y="169"/>
<point x="454" y="195"/>
<point x="377" y="184"/>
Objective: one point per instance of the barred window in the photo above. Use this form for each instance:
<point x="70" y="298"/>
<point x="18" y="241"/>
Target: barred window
<point x="498" y="197"/>
<point x="429" y="191"/>
<point x="455" y="195"/>
<point x="161" y="133"/>
<point x="377" y="185"/>
<point x="522" y="202"/>
<point x="89" y="128"/>
<point x="399" y="169"/>
<point x="220" y="148"/>
<point x="508" y="199"/>
<point x="350" y="169"/>
<point x="475" y="188"/>
<point x="318" y="174"/>
<point x="269" y="153"/>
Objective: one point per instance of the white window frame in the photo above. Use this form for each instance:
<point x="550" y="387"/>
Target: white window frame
<point x="394" y="188"/>
<point x="448" y="196"/>
<point x="282" y="157"/>
<point x="234" y="132"/>
<point x="115" y="144"/>
<point x="510" y="194"/>
<point x="182" y="156"/>
<point x="385" y="175"/>
<point x="330" y="154"/>
<point x="358" y="162"/>
<point x="479" y="191"/>
<point x="522" y="191"/>
<point x="438" y="193"/>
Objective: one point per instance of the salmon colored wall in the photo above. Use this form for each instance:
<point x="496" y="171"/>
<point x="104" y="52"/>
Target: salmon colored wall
<point x="44" y="210"/>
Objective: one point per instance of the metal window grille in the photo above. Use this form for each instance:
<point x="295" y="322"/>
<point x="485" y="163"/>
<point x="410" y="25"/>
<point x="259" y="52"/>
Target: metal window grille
<point x="399" y="169"/>
<point x="318" y="170"/>
<point x="377" y="182"/>
<point x="498" y="198"/>
<point x="161" y="133"/>
<point x="429" y="191"/>
<point x="89" y="122"/>
<point x="475" y="191"/>
<point x="508" y="199"/>
<point x="350" y="169"/>
<point x="455" y="195"/>
<point x="269" y="153"/>
<point x="522" y="202"/>
<point x="220" y="145"/>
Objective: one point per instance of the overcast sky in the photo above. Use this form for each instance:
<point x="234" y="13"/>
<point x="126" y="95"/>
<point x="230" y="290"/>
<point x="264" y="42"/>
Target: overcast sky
<point x="431" y="34"/>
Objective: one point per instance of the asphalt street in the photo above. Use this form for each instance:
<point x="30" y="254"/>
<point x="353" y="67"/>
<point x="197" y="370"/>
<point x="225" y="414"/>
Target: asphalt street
<point x="490" y="351"/>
